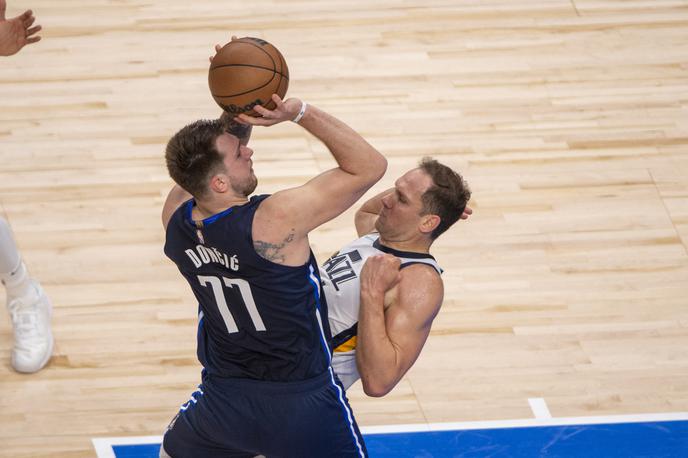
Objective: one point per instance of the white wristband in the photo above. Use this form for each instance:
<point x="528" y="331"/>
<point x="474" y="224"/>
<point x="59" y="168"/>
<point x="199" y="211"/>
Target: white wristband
<point x="302" y="111"/>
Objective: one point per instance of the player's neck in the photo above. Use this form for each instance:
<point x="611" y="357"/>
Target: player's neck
<point x="412" y="244"/>
<point x="212" y="206"/>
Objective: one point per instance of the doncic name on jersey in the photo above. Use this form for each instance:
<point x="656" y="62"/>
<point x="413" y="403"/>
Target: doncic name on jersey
<point x="206" y="255"/>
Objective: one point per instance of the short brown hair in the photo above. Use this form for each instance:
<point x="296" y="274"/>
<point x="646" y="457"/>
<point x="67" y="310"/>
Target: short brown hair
<point x="191" y="155"/>
<point x="447" y="197"/>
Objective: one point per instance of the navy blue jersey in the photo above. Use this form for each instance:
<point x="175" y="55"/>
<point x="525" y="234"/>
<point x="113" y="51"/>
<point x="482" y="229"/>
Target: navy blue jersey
<point x="257" y="319"/>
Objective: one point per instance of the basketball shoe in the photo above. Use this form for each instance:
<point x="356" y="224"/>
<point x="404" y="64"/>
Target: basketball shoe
<point x="33" y="338"/>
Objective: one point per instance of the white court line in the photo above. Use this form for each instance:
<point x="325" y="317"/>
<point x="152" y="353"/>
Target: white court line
<point x="103" y="446"/>
<point x="499" y="424"/>
<point x="539" y="408"/>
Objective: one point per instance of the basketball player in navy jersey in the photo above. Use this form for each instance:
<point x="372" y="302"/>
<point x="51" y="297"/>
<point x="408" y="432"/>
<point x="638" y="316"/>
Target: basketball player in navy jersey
<point x="267" y="385"/>
<point x="384" y="289"/>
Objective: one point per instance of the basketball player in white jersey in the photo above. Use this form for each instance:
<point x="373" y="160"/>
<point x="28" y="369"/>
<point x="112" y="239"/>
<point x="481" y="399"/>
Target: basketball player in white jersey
<point x="28" y="305"/>
<point x="384" y="289"/>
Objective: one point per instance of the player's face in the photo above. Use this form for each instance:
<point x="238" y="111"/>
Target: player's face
<point x="238" y="163"/>
<point x="401" y="209"/>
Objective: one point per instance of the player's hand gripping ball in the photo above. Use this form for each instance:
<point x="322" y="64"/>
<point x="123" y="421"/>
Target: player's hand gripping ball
<point x="245" y="73"/>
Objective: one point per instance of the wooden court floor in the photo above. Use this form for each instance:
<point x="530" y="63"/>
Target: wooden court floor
<point x="569" y="118"/>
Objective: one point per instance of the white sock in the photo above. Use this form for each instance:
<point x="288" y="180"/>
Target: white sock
<point x="13" y="273"/>
<point x="18" y="282"/>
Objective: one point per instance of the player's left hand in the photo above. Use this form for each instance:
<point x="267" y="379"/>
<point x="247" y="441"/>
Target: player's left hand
<point x="17" y="32"/>
<point x="217" y="47"/>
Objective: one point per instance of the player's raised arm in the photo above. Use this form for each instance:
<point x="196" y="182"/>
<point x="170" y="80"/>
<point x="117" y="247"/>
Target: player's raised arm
<point x="367" y="214"/>
<point x="283" y="221"/>
<point x="360" y="166"/>
<point x="175" y="198"/>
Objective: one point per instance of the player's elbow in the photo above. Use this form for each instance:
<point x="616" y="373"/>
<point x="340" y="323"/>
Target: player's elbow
<point x="367" y="170"/>
<point x="378" y="167"/>
<point x="376" y="391"/>
<point x="371" y="169"/>
<point x="375" y="388"/>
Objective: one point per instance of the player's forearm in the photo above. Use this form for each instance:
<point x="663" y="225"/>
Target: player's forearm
<point x="377" y="358"/>
<point x="366" y="215"/>
<point x="352" y="152"/>
<point x="175" y="198"/>
<point x="178" y="195"/>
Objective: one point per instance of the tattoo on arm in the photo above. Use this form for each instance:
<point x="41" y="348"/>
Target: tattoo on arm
<point x="273" y="251"/>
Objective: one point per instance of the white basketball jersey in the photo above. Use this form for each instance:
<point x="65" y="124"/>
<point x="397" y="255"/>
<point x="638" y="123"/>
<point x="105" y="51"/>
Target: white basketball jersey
<point x="342" y="288"/>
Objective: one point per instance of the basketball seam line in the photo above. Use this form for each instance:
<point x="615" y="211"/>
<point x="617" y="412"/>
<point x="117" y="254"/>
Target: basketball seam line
<point x="252" y="66"/>
<point x="251" y="90"/>
<point x="251" y="43"/>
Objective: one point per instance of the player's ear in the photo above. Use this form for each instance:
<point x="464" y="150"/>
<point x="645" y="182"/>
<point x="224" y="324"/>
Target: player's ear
<point x="219" y="183"/>
<point x="428" y="223"/>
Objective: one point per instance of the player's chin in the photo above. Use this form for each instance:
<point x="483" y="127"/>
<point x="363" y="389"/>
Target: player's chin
<point x="252" y="186"/>
<point x="246" y="188"/>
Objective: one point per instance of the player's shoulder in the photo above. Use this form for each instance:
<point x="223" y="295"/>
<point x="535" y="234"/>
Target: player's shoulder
<point x="420" y="293"/>
<point x="369" y="238"/>
<point x="421" y="280"/>
<point x="258" y="199"/>
<point x="272" y="208"/>
<point x="261" y="204"/>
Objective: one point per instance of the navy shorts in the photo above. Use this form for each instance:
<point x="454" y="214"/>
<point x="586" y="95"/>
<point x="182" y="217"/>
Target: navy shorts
<point x="231" y="418"/>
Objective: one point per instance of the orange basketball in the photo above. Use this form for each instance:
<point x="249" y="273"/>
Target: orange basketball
<point x="245" y="73"/>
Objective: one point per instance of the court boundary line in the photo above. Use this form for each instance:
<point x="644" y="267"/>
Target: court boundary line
<point x="525" y="423"/>
<point x="539" y="408"/>
<point x="103" y="445"/>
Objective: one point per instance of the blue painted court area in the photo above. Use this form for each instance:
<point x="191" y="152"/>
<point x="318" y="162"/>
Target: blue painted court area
<point x="137" y="451"/>
<point x="658" y="439"/>
<point x="661" y="439"/>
